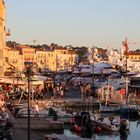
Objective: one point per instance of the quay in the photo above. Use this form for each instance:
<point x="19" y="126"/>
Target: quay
<point x="39" y="124"/>
<point x="73" y="104"/>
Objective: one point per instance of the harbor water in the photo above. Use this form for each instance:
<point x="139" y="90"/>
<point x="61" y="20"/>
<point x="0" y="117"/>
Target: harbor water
<point x="133" y="134"/>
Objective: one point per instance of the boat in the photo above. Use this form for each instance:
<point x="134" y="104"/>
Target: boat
<point x="106" y="125"/>
<point x="81" y="122"/>
<point x="114" y="110"/>
<point x="47" y="113"/>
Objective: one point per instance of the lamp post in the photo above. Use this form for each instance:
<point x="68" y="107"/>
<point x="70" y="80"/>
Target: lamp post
<point x="126" y="81"/>
<point x="28" y="79"/>
<point x="28" y="74"/>
<point x="13" y="72"/>
<point x="125" y="44"/>
<point x="93" y="71"/>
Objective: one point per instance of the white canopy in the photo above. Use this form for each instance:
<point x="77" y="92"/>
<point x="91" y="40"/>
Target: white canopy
<point x="11" y="81"/>
<point x="138" y="75"/>
<point x="37" y="83"/>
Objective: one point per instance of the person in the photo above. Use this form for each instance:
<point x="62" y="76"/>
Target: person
<point x="4" y="115"/>
<point x="36" y="110"/>
<point x="62" y="93"/>
<point x="114" y="122"/>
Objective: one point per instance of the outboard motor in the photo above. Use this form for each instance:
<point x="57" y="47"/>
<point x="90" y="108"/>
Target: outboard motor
<point x="133" y="114"/>
<point x="5" y="131"/>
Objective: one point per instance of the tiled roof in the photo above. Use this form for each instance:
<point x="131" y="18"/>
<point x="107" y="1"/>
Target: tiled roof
<point x="134" y="53"/>
<point x="23" y="46"/>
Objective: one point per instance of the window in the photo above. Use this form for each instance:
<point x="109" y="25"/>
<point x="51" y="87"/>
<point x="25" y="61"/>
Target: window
<point x="0" y="37"/>
<point x="1" y="54"/>
<point x="1" y="70"/>
<point x="6" y="59"/>
<point x="0" y="22"/>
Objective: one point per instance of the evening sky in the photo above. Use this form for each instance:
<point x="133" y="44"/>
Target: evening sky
<point x="101" y="23"/>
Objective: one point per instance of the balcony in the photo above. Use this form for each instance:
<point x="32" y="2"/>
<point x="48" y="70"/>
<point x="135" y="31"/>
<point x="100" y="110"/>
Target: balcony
<point x="6" y="59"/>
<point x="8" y="33"/>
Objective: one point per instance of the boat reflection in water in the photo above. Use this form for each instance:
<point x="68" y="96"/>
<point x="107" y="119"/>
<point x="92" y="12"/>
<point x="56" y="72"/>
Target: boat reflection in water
<point x="82" y="124"/>
<point x="86" y="134"/>
<point x="123" y="135"/>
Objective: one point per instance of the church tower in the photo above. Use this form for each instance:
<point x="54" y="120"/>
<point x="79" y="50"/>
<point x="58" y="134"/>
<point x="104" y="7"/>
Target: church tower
<point x="2" y="35"/>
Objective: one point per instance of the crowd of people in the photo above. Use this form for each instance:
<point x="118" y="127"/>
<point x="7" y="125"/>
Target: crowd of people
<point x="14" y="92"/>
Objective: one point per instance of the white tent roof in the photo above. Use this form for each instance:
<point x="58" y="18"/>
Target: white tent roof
<point x="11" y="81"/>
<point x="39" y="77"/>
<point x="138" y="75"/>
<point x="103" y="65"/>
<point x="37" y="82"/>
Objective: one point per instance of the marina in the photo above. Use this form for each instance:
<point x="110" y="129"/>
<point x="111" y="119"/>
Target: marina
<point x="61" y="75"/>
<point x="68" y="135"/>
<point x="64" y="131"/>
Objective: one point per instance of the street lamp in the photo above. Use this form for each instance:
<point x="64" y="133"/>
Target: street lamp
<point x="125" y="44"/>
<point x="28" y="74"/>
<point x="93" y="70"/>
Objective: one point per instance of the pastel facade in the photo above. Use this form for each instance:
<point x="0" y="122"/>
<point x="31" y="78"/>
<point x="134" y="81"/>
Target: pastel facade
<point x="27" y="54"/>
<point x="52" y="60"/>
<point x="13" y="61"/>
<point x="41" y="59"/>
<point x="46" y="60"/>
<point x="65" y="59"/>
<point x="134" y="57"/>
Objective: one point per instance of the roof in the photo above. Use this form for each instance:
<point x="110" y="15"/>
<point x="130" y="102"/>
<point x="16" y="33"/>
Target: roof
<point x="23" y="46"/>
<point x="71" y="52"/>
<point x="10" y="49"/>
<point x="59" y="48"/>
<point x="134" y="53"/>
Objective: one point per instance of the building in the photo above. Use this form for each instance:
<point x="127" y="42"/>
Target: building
<point x="46" y="60"/>
<point x="135" y="84"/>
<point x="51" y="60"/>
<point x="41" y="59"/>
<point x="2" y="34"/>
<point x="27" y="54"/>
<point x="13" y="61"/>
<point x="134" y="58"/>
<point x="65" y="58"/>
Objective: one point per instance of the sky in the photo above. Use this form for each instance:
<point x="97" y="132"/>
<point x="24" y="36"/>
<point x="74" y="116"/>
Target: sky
<point x="101" y="23"/>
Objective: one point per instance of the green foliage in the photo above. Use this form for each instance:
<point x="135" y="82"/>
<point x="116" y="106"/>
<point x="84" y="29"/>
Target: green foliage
<point x="29" y="72"/>
<point x="81" y="51"/>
